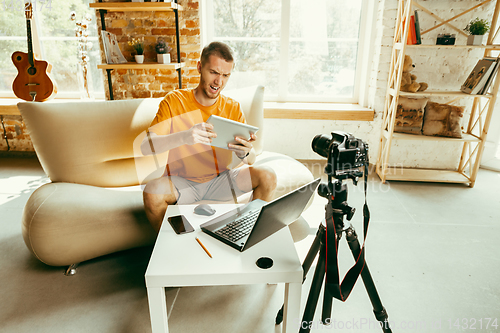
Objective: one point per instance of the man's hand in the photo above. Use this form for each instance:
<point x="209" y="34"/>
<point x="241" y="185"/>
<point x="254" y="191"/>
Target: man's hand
<point x="200" y="133"/>
<point x="243" y="147"/>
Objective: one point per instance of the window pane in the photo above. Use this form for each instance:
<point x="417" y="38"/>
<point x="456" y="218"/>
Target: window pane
<point x="332" y="18"/>
<point x="63" y="56"/>
<point x="257" y="63"/>
<point x="8" y="71"/>
<point x="247" y="18"/>
<point x="13" y="24"/>
<point x="323" y="50"/>
<point x="322" y="75"/>
<point x="252" y="29"/>
<point x="57" y="35"/>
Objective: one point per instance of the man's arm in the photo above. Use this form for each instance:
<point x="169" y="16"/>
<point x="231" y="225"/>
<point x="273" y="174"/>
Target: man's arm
<point x="199" y="133"/>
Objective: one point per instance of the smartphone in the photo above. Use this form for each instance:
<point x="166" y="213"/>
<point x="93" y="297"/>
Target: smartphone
<point x="180" y="224"/>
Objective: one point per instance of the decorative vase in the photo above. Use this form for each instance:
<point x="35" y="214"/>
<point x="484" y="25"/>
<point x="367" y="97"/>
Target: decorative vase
<point x="163" y="58"/>
<point x="85" y="84"/>
<point x="475" y="40"/>
<point x="139" y="58"/>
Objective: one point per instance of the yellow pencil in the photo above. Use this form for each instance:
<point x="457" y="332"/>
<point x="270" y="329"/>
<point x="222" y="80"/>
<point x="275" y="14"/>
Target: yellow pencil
<point x="203" y="246"/>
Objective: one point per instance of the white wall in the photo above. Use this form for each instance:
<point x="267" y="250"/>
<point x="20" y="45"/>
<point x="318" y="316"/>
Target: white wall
<point x="443" y="69"/>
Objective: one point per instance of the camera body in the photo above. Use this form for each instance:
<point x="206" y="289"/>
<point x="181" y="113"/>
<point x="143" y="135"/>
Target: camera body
<point x="345" y="153"/>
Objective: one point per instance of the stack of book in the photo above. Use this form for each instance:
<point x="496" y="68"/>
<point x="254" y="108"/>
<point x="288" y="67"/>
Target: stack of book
<point x="414" y="30"/>
<point x="479" y="80"/>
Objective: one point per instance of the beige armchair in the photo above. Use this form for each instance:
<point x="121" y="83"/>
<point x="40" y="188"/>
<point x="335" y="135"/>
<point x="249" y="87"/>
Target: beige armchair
<point x="93" y="205"/>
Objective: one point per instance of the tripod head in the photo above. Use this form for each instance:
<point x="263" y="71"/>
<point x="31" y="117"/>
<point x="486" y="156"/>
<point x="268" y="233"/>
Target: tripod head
<point x="337" y="207"/>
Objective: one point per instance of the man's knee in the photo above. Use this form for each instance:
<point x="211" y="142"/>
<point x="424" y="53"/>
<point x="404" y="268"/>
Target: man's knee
<point x="266" y="177"/>
<point x="160" y="189"/>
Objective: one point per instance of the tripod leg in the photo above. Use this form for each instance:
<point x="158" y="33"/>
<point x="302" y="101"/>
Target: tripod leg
<point x="313" y="251"/>
<point x="306" y="265"/>
<point x="312" y="299"/>
<point x="378" y="309"/>
<point x="327" y="308"/>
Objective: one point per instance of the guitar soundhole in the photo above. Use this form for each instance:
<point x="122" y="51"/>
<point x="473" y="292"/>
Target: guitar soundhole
<point x="32" y="71"/>
<point x="19" y="58"/>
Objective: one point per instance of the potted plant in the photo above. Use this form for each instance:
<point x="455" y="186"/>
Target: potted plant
<point x="162" y="50"/>
<point x="138" y="45"/>
<point x="476" y="29"/>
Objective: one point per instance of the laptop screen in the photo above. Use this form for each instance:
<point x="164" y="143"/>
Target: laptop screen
<point x="281" y="212"/>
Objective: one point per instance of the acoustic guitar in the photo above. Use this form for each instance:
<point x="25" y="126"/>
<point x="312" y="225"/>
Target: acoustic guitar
<point x="32" y="82"/>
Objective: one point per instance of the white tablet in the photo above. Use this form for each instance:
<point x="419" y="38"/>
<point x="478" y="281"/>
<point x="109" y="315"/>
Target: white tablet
<point x="227" y="129"/>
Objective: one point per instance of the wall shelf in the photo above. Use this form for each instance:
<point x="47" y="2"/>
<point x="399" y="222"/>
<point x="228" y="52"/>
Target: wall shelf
<point x="403" y="136"/>
<point x="136" y="6"/>
<point x="104" y="7"/>
<point x="146" y="65"/>
<point x="476" y="130"/>
<point x="460" y="94"/>
<point x="426" y="175"/>
<point x="424" y="46"/>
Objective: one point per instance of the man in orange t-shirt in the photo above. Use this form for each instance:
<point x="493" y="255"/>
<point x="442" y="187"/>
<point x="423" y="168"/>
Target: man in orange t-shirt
<point x="195" y="170"/>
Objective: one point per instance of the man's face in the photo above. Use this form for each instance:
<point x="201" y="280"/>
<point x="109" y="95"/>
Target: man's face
<point x="214" y="75"/>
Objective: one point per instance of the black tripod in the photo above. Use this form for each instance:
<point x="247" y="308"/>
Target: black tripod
<point x="337" y="207"/>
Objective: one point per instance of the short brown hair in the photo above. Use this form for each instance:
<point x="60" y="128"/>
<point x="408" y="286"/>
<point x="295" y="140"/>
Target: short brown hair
<point x="218" y="49"/>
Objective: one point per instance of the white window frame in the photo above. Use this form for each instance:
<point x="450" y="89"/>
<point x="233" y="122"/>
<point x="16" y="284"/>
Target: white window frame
<point x="364" y="54"/>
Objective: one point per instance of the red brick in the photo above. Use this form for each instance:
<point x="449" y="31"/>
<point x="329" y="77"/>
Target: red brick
<point x="192" y="24"/>
<point x="166" y="79"/>
<point x="159" y="94"/>
<point x="193" y="5"/>
<point x="116" y="31"/>
<point x="139" y="31"/>
<point x="145" y="79"/>
<point x="155" y="86"/>
<point x="190" y="32"/>
<point x="193" y="55"/>
<point x="141" y="94"/>
<point x="163" y="31"/>
<point x="166" y="71"/>
<point x="164" y="14"/>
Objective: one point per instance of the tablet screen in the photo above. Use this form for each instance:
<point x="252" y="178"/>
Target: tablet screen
<point x="227" y="129"/>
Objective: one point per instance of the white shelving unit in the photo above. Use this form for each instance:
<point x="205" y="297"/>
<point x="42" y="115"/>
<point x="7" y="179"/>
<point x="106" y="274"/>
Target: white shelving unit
<point x="474" y="137"/>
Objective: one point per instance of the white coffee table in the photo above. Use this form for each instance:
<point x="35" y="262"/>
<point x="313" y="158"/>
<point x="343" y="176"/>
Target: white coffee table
<point x="179" y="261"/>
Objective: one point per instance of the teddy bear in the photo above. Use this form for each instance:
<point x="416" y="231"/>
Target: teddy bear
<point x="408" y="80"/>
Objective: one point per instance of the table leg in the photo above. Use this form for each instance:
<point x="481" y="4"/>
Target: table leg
<point x="158" y="310"/>
<point x="291" y="313"/>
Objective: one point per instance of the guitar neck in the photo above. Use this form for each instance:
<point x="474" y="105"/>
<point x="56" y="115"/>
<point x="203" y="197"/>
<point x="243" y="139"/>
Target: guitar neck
<point x="30" y="47"/>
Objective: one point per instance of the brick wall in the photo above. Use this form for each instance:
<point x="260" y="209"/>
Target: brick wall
<point x="17" y="136"/>
<point x="147" y="83"/>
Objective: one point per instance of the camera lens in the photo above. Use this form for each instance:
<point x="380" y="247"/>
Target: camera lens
<point x="320" y="144"/>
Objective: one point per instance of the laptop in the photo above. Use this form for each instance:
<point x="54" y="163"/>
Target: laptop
<point x="244" y="227"/>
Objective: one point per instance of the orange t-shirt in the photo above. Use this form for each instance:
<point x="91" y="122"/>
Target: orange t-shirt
<point x="179" y="111"/>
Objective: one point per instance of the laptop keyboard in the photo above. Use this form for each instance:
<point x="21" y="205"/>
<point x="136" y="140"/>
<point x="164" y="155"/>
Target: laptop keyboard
<point x="239" y="228"/>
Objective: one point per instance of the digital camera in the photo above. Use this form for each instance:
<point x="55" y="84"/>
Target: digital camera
<point x="345" y="153"/>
